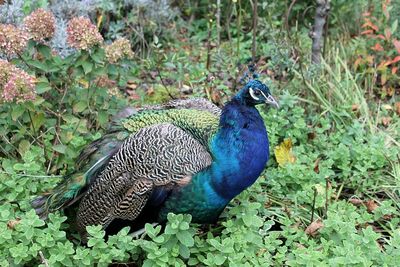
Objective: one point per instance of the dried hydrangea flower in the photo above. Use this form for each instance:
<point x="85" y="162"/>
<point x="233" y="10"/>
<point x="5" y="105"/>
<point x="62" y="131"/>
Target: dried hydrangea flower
<point x="40" y="24"/>
<point x="119" y="49"/>
<point x="12" y="40"/>
<point x="5" y="70"/>
<point x="82" y="34"/>
<point x="114" y="91"/>
<point x="17" y="85"/>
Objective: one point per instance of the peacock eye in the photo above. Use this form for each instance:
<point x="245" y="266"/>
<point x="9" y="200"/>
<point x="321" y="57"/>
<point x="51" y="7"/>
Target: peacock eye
<point x="255" y="94"/>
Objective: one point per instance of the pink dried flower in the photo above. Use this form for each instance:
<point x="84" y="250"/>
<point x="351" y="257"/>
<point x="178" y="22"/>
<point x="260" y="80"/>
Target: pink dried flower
<point x="16" y="84"/>
<point x="82" y="34"/>
<point x="5" y="70"/>
<point x="40" y="24"/>
<point x="114" y="91"/>
<point x="12" y="40"/>
<point x="118" y="49"/>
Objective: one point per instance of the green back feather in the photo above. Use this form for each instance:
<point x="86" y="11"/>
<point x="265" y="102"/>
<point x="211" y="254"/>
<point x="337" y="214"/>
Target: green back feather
<point x="200" y="124"/>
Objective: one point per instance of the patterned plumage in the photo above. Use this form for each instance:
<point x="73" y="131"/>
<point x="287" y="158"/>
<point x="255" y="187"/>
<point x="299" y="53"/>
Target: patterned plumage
<point x="184" y="157"/>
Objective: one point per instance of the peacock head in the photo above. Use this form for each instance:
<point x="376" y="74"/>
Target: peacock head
<point x="255" y="93"/>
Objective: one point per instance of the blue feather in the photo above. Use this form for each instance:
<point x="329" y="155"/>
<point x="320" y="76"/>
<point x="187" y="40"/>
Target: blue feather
<point x="240" y="152"/>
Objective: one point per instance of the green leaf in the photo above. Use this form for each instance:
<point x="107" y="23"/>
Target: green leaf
<point x="393" y="28"/>
<point x="60" y="148"/>
<point x="113" y="70"/>
<point x="42" y="85"/>
<point x="17" y="111"/>
<point x="37" y="64"/>
<point x="23" y="146"/>
<point x="87" y="67"/>
<point x="169" y="230"/>
<point x="185" y="238"/>
<point x="219" y="259"/>
<point x="38" y="101"/>
<point x="44" y="50"/>
<point x="80" y="106"/>
<point x="150" y="230"/>
<point x="38" y="120"/>
<point x="184" y="251"/>
<point x="98" y="56"/>
<point x="102" y="118"/>
<point x="184" y="226"/>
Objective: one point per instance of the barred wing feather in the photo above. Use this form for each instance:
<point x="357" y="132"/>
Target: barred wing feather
<point x="161" y="155"/>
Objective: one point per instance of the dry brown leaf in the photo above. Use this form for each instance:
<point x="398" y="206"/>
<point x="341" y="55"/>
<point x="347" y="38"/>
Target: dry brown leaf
<point x="216" y="97"/>
<point x="388" y="217"/>
<point x="150" y="90"/>
<point x="371" y="205"/>
<point x="186" y="89"/>
<point x="356" y="201"/>
<point x="387" y="107"/>
<point x="386" y="121"/>
<point x="300" y="246"/>
<point x="390" y="91"/>
<point x="133" y="95"/>
<point x="311" y="135"/>
<point x="283" y="152"/>
<point x="84" y="83"/>
<point x="131" y="85"/>
<point x="314" y="227"/>
<point x="355" y="107"/>
<point x="12" y="223"/>
<point x="316" y="165"/>
<point x="397" y="108"/>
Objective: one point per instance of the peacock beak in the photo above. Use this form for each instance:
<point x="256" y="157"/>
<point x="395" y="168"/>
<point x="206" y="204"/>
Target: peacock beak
<point x="270" y="100"/>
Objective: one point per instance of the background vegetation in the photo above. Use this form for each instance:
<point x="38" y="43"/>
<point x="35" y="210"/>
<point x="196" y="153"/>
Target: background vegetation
<point x="330" y="195"/>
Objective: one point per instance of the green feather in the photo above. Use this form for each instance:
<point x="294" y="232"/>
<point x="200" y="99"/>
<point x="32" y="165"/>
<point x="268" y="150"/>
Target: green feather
<point x="200" y="124"/>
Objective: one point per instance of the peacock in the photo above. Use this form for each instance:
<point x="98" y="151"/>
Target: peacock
<point x="186" y="156"/>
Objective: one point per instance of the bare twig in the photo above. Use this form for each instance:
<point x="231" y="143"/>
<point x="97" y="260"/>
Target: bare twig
<point x="43" y="259"/>
<point x="33" y="126"/>
<point x="238" y="28"/>
<point x="140" y="35"/>
<point x="141" y="233"/>
<point x="313" y="205"/>
<point x="289" y="10"/>
<point x="163" y="83"/>
<point x="255" y="21"/>
<point x="325" y="35"/>
<point x="326" y="197"/>
<point x="296" y="51"/>
<point x="208" y="48"/>
<point x="218" y="17"/>
<point x="58" y="130"/>
<point x="316" y="33"/>
<point x="228" y="22"/>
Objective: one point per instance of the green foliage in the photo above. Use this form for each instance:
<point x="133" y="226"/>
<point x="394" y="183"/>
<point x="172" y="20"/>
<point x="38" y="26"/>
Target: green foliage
<point x="249" y="233"/>
<point x="344" y="156"/>
<point x="73" y="96"/>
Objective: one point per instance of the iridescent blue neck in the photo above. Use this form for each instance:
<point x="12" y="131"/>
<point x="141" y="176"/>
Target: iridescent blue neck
<point x="240" y="149"/>
<point x="240" y="152"/>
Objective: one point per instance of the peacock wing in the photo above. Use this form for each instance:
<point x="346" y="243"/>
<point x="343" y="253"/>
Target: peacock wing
<point x="157" y="156"/>
<point x="198" y="116"/>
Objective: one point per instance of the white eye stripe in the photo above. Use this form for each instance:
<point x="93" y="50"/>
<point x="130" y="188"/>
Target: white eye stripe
<point x="263" y="94"/>
<point x="253" y="95"/>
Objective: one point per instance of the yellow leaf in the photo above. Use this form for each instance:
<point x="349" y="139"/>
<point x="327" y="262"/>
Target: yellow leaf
<point x="283" y="152"/>
<point x="99" y="20"/>
<point x="84" y="83"/>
